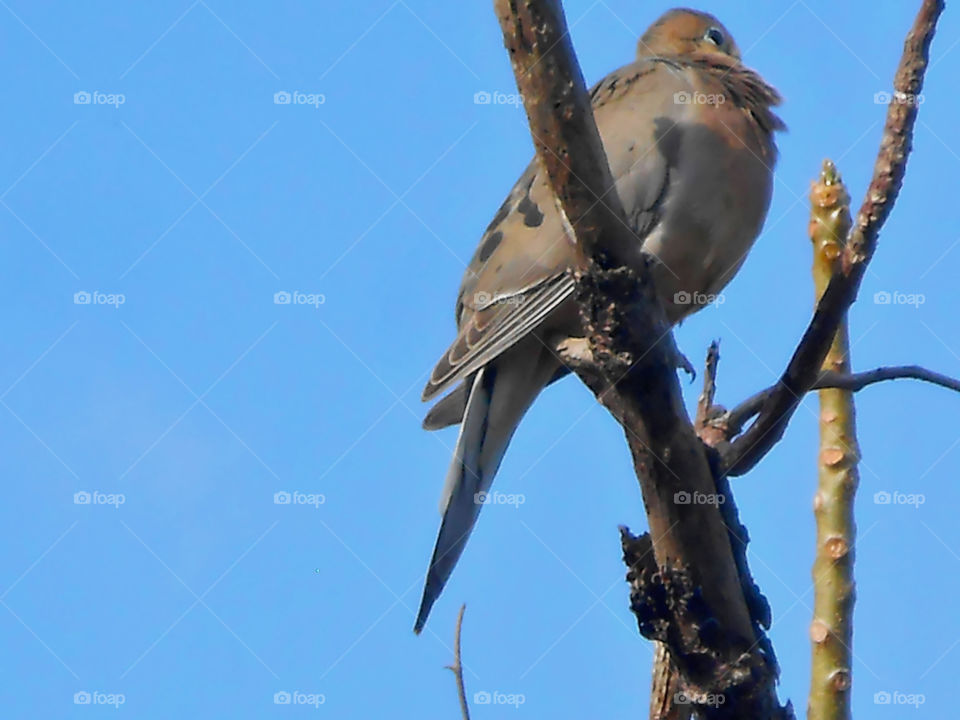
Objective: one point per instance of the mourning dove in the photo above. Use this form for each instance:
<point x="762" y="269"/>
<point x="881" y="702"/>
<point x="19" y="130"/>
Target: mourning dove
<point x="688" y="133"/>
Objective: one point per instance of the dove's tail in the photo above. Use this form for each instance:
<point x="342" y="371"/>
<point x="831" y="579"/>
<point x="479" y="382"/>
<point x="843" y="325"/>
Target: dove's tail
<point x="500" y="394"/>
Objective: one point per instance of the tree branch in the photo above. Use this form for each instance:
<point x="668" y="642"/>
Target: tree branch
<point x="694" y="602"/>
<point x="561" y="118"/>
<point x="802" y="371"/>
<point x="855" y="382"/>
<point x="457" y="667"/>
<point x="831" y="630"/>
<point x="707" y="412"/>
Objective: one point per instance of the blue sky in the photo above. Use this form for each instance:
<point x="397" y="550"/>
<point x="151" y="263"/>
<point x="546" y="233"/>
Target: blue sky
<point x="182" y="198"/>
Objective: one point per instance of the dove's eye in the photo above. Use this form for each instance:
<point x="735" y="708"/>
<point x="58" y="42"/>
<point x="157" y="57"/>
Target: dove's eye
<point x="714" y="35"/>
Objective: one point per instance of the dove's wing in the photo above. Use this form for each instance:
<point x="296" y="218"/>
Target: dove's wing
<point x="519" y="273"/>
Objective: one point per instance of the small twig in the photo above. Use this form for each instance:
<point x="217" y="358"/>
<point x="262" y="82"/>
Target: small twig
<point x="710" y="422"/>
<point x="457" y="668"/>
<point x="858" y="381"/>
<point x="804" y="367"/>
<point x="705" y="401"/>
<point x="855" y="382"/>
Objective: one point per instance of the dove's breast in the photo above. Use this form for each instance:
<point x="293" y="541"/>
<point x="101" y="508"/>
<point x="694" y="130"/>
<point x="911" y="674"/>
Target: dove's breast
<point x="694" y="168"/>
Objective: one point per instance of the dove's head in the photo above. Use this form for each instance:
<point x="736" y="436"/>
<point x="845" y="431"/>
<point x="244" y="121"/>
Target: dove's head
<point x="688" y="32"/>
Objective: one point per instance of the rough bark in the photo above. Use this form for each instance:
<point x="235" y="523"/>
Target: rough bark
<point x="694" y="601"/>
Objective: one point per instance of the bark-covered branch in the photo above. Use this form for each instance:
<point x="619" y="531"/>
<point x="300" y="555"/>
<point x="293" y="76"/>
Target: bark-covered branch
<point x="549" y="78"/>
<point x="804" y="367"/>
<point x="695" y="601"/>
<point x="734" y="419"/>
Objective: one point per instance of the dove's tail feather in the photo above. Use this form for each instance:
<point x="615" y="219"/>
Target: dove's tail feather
<point x="499" y="396"/>
<point x="450" y="409"/>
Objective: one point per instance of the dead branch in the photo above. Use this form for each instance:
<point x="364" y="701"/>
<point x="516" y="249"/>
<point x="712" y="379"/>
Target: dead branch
<point x="695" y="601"/>
<point x="804" y="367"/>
<point x="457" y="667"/>
<point x="855" y="382"/>
<point x="707" y="412"/>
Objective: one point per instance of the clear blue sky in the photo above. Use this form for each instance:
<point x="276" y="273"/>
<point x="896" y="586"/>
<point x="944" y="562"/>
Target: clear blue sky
<point x="198" y="398"/>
